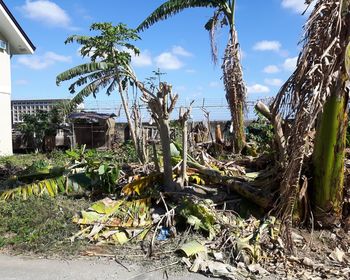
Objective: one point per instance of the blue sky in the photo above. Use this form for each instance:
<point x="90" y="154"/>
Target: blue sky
<point x="268" y="32"/>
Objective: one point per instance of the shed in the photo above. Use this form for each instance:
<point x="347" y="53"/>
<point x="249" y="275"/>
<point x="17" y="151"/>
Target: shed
<point x="95" y="130"/>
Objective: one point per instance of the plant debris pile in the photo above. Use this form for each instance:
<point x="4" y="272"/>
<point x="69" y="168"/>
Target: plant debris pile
<point x="217" y="224"/>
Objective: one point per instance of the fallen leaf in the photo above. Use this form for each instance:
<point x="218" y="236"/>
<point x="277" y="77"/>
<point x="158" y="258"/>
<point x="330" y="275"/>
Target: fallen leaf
<point x="257" y="269"/>
<point x="308" y="262"/>
<point x="337" y="255"/>
<point x="193" y="247"/>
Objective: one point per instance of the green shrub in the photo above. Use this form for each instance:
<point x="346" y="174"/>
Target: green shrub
<point x="260" y="131"/>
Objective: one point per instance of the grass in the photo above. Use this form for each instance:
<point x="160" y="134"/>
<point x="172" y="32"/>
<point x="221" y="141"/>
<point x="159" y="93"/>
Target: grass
<point x="24" y="160"/>
<point x="44" y="225"/>
<point x="40" y="225"/>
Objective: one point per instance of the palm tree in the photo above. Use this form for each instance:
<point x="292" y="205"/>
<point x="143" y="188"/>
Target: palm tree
<point x="109" y="68"/>
<point x="316" y="97"/>
<point x="224" y="15"/>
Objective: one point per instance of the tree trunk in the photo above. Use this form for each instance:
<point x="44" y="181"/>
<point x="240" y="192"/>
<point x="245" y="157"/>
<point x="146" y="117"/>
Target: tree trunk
<point x="235" y="90"/>
<point x="164" y="131"/>
<point x="328" y="161"/>
<point x="131" y="126"/>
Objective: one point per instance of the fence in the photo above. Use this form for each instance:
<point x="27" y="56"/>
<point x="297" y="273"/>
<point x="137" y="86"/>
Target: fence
<point x="217" y="109"/>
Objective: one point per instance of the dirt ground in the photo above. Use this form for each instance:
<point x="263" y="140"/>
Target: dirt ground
<point x="318" y="255"/>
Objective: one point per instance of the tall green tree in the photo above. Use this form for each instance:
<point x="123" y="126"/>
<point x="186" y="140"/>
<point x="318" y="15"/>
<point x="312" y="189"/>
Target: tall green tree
<point x="109" y="68"/>
<point x="224" y="15"/>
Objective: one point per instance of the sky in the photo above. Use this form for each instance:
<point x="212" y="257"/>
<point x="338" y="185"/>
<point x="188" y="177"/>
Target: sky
<point x="268" y="32"/>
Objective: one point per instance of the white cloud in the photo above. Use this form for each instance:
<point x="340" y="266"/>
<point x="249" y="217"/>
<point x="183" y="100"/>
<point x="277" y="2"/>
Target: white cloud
<point x="274" y="82"/>
<point x="297" y="6"/>
<point x="180" y="51"/>
<point x="37" y="62"/>
<point x="142" y="60"/>
<point x="51" y="56"/>
<point x="46" y="12"/>
<point x="168" y="61"/>
<point x="268" y="46"/>
<point x="290" y="63"/>
<point x="271" y="69"/>
<point x="257" y="88"/>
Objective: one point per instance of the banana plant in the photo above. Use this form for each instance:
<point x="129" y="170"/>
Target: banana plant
<point x="86" y="172"/>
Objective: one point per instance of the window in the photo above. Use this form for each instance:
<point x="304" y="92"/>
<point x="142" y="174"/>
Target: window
<point x="3" y="45"/>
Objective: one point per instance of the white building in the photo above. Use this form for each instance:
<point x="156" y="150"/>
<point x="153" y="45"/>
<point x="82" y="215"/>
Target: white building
<point x="13" y="40"/>
<point x="19" y="108"/>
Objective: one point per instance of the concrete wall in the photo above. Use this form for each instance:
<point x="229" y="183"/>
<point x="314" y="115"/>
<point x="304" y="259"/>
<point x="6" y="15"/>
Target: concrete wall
<point x="5" y="102"/>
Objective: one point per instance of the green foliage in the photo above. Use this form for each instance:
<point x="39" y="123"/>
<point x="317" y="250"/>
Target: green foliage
<point x="41" y="225"/>
<point x="87" y="170"/>
<point x="176" y="132"/>
<point x="110" y="54"/>
<point x="103" y="46"/>
<point x="57" y="158"/>
<point x="102" y="168"/>
<point x="173" y="7"/>
<point x="21" y="161"/>
<point x="58" y="184"/>
<point x="200" y="216"/>
<point x="41" y="124"/>
<point x="260" y="132"/>
<point x="126" y="153"/>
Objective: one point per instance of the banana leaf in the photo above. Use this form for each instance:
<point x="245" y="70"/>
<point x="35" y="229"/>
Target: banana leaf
<point x="139" y="186"/>
<point x="51" y="187"/>
<point x="115" y="221"/>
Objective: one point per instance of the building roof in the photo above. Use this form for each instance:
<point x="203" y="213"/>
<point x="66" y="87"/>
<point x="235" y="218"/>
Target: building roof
<point x="38" y="100"/>
<point x="90" y="116"/>
<point x="13" y="32"/>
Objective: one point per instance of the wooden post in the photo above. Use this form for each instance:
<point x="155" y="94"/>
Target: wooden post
<point x="183" y="120"/>
<point x="218" y="134"/>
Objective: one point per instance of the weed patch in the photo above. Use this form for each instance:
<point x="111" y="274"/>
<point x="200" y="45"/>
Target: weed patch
<point x="40" y="225"/>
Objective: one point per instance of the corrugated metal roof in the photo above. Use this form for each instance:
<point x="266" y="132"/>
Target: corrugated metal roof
<point x="90" y="116"/>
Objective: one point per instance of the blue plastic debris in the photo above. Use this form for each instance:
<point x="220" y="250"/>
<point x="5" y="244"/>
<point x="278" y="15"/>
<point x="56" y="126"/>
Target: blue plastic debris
<point x="164" y="234"/>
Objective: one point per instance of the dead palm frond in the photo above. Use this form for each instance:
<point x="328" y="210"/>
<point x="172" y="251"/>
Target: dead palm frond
<point x="319" y="72"/>
<point x="235" y="88"/>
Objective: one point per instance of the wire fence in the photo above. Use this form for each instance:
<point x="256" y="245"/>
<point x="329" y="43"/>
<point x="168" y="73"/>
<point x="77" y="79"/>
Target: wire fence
<point x="217" y="108"/>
